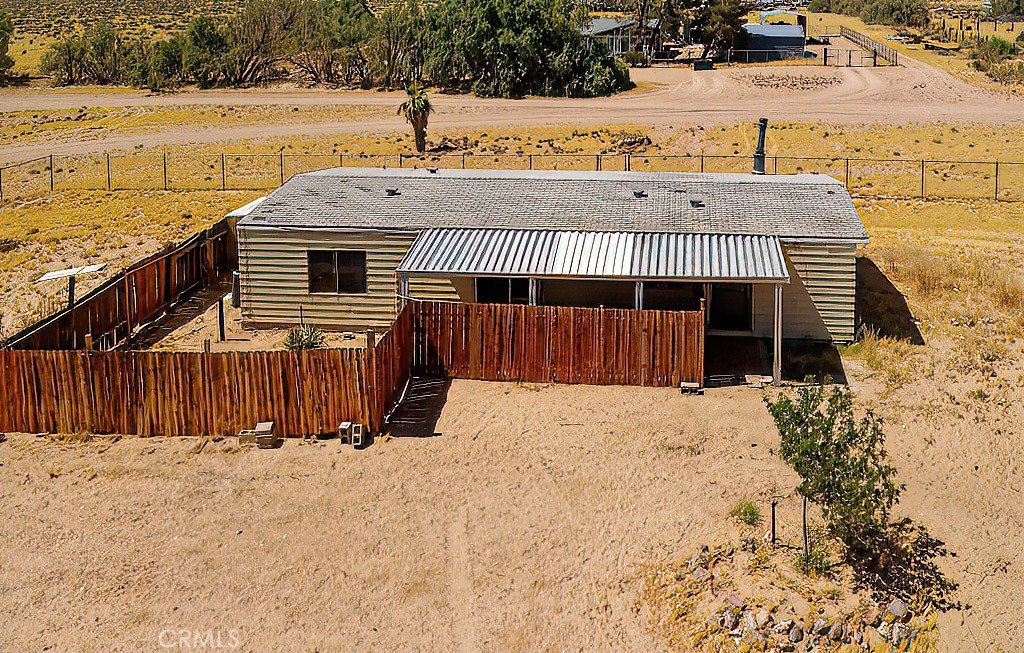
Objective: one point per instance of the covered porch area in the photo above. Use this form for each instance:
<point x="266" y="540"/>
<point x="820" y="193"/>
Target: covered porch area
<point x="735" y="280"/>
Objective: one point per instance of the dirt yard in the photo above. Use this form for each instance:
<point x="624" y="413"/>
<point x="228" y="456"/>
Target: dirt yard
<point x="521" y="527"/>
<point x="913" y="92"/>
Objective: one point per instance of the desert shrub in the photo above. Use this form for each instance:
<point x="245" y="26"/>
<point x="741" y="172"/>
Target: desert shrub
<point x="991" y="52"/>
<point x="906" y="13"/>
<point x="304" y="336"/>
<point x="903" y="13"/>
<point x="634" y="58"/>
<point x="892" y="358"/>
<point x="747" y="512"/>
<point x="817" y="560"/>
<point x="1007" y="72"/>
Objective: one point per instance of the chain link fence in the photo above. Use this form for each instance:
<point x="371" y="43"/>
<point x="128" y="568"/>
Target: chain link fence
<point x="882" y="178"/>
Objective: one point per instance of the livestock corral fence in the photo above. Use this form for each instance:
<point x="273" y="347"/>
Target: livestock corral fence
<point x="309" y="392"/>
<point x="869" y="44"/>
<point x="120" y="308"/>
<point x="865" y="177"/>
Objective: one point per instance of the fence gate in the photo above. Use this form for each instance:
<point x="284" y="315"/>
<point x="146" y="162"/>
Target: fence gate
<point x="848" y="58"/>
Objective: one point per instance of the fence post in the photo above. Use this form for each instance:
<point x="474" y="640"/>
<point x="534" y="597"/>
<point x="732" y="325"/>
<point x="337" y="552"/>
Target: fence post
<point x="109" y="185"/>
<point x="51" y="173"/>
<point x="997" y="182"/>
<point x="922" y="178"/>
<point x="280" y="165"/>
<point x="531" y="161"/>
<point x="597" y="162"/>
<point x="1" y="184"/>
<point x="463" y="160"/>
<point x="775" y="165"/>
<point x="165" y="170"/>
<point x="223" y="173"/>
<point x="847" y="173"/>
<point x="401" y="159"/>
<point x="702" y="162"/>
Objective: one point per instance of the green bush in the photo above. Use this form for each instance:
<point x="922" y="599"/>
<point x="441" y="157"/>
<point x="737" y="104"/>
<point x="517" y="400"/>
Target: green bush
<point x="991" y="52"/>
<point x="634" y="58"/>
<point x="304" y="336"/>
<point x="900" y="13"/>
<point x="747" y="512"/>
<point x="816" y="561"/>
<point x="904" y="13"/>
<point x="841" y="461"/>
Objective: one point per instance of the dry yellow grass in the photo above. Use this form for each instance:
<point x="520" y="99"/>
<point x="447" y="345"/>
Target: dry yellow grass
<point x="884" y="160"/>
<point x="72" y="228"/>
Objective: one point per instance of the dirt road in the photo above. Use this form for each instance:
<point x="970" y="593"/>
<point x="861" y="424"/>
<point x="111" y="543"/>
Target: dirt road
<point x="913" y="92"/>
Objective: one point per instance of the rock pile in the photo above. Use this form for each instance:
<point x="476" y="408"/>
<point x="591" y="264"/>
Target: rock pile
<point x="798" y="82"/>
<point x="755" y="600"/>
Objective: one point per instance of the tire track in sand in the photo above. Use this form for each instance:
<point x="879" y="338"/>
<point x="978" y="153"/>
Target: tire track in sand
<point x="461" y="585"/>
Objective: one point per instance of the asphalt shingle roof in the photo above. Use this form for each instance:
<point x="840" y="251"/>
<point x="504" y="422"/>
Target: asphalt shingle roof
<point x="792" y="207"/>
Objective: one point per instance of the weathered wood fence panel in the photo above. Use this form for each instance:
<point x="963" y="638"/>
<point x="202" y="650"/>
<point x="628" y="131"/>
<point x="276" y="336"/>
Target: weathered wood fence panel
<point x="157" y="393"/>
<point x="179" y="394"/>
<point x="116" y="309"/>
<point x="389" y="365"/>
<point x="546" y="344"/>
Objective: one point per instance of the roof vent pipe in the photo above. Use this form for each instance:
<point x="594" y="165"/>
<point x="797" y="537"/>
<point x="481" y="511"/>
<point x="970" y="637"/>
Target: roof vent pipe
<point x="762" y="127"/>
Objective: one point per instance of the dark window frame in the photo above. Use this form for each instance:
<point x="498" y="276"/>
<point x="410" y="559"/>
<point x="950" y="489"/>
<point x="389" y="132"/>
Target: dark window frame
<point x="516" y="290"/>
<point x="350" y="276"/>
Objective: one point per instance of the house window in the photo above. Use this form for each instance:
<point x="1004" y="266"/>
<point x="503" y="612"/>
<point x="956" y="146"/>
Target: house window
<point x="336" y="272"/>
<point x="502" y="290"/>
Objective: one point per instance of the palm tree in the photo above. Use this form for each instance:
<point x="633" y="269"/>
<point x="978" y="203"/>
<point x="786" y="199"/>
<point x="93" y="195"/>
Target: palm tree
<point x="417" y="110"/>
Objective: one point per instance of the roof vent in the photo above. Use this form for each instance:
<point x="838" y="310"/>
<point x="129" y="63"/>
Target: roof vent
<point x="697" y="203"/>
<point x="432" y="171"/>
<point x="639" y="194"/>
<point x="392" y="192"/>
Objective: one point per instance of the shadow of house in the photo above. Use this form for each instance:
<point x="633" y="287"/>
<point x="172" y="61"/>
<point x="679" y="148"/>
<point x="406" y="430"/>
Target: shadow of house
<point x="417" y="414"/>
<point x="881" y="307"/>
<point x="176" y="317"/>
<point x="729" y="359"/>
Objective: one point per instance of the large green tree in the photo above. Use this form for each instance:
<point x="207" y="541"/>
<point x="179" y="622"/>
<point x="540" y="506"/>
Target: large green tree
<point x="6" y="36"/>
<point x="720" y="26"/>
<point x="512" y="48"/>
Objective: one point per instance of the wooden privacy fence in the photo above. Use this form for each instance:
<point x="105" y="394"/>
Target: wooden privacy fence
<point x="180" y="394"/>
<point x="114" y="311"/>
<point x="175" y="394"/>
<point x="546" y="344"/>
<point x="187" y="393"/>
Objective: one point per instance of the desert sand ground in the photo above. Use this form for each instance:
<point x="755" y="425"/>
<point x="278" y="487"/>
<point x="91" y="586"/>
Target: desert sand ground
<point x="521" y="527"/>
<point x="913" y="92"/>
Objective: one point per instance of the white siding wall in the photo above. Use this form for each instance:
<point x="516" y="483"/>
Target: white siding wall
<point x="274" y="278"/>
<point x="818" y="303"/>
<point x="820" y="300"/>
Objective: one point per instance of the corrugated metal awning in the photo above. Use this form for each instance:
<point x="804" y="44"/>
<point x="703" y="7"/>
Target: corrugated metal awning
<point x="596" y="255"/>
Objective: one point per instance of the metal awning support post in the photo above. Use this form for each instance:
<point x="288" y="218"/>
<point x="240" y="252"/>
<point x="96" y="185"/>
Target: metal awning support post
<point x="403" y="290"/>
<point x="534" y="292"/>
<point x="777" y="337"/>
<point x="638" y="298"/>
